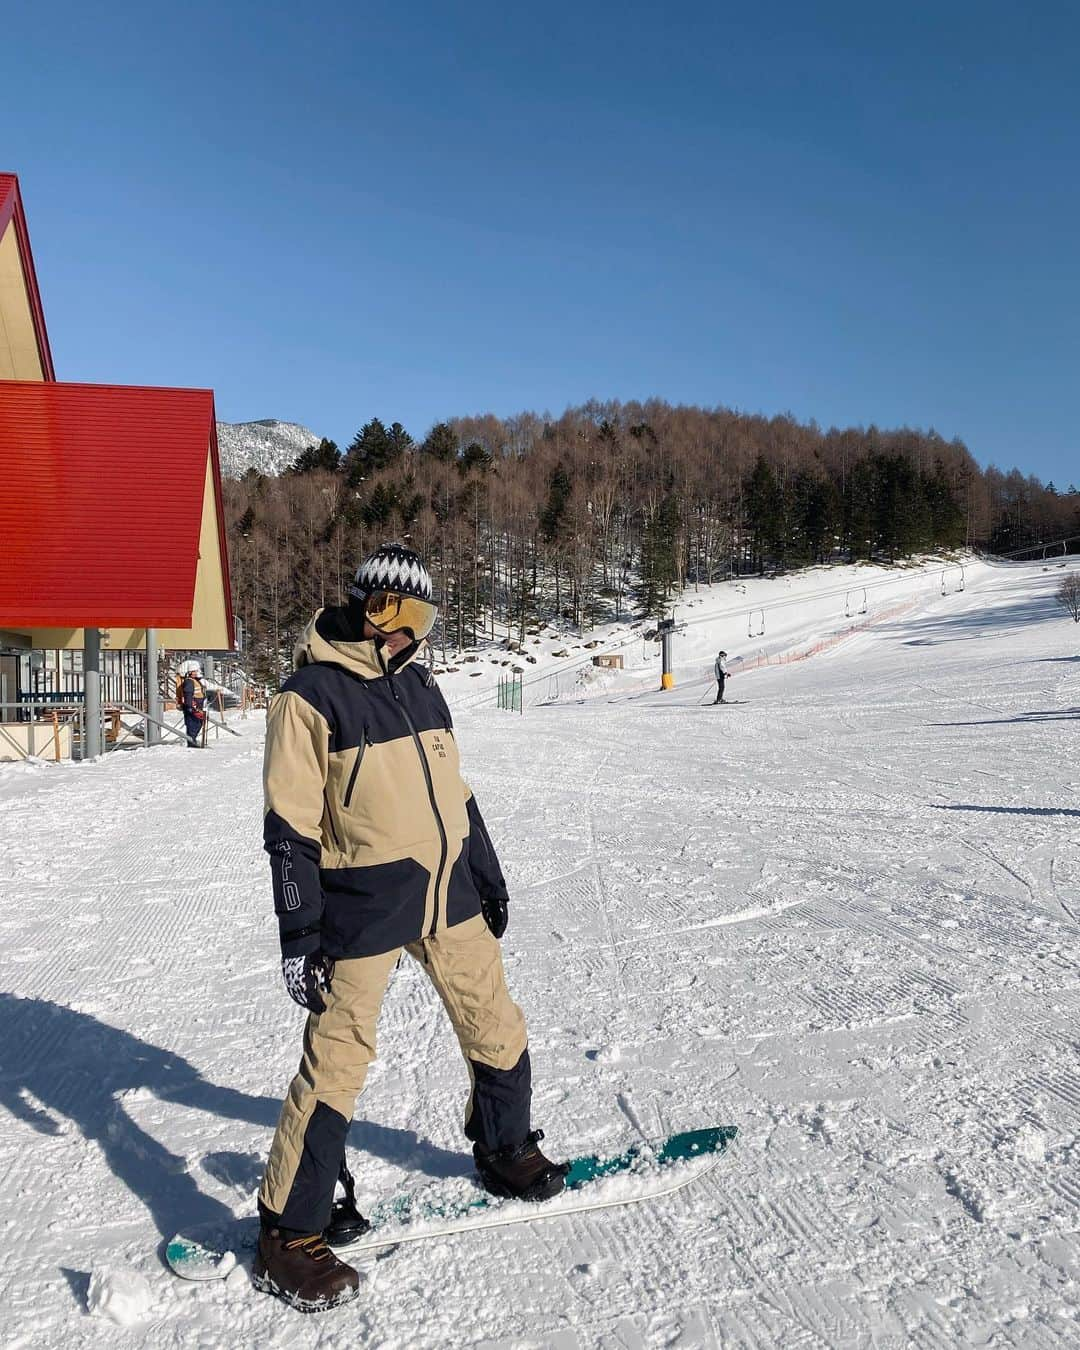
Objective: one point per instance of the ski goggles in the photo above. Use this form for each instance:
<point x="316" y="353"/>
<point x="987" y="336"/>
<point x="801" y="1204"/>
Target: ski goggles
<point x="389" y="612"/>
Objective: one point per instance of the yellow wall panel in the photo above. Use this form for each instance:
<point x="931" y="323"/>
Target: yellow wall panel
<point x="19" y="356"/>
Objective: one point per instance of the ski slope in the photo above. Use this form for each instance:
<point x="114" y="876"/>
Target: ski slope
<point x="841" y="914"/>
<point x="756" y="620"/>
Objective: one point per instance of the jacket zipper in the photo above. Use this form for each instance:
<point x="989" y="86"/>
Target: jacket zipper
<point x="431" y="796"/>
<point x="355" y="770"/>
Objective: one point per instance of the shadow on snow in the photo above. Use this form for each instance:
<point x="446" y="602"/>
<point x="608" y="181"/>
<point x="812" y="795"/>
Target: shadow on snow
<point x="1010" y="810"/>
<point x="55" y="1061"/>
<point x="1038" y="715"/>
<point x="987" y="621"/>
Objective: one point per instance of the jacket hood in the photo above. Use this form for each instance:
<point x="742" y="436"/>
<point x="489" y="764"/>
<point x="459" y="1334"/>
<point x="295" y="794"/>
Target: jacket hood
<point x="325" y="639"/>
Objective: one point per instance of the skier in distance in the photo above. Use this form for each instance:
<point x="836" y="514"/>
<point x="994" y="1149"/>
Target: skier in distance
<point x="721" y="671"/>
<point x="376" y="845"/>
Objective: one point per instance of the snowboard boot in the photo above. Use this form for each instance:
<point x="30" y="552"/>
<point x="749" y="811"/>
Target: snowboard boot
<point x="522" y="1172"/>
<point x="302" y="1271"/>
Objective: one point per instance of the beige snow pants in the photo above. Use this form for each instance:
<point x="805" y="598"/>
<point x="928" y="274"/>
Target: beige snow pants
<point x="464" y="963"/>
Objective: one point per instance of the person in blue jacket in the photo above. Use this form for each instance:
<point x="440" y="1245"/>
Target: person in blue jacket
<point x="191" y="700"/>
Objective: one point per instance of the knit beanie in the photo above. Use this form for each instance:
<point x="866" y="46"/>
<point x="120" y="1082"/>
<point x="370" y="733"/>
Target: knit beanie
<point x="393" y="567"/>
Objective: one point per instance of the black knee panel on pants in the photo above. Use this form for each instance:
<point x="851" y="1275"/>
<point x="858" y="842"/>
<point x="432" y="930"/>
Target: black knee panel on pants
<point x="312" y="1195"/>
<point x="502" y="1101"/>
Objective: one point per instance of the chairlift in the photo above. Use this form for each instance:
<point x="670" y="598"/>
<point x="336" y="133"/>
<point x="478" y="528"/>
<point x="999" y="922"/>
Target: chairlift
<point x="858" y="607"/>
<point x="960" y="584"/>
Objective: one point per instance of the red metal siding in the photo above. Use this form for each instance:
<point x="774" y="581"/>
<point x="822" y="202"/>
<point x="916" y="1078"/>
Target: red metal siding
<point x="223" y="542"/>
<point x="101" y="497"/>
<point x="7" y="199"/>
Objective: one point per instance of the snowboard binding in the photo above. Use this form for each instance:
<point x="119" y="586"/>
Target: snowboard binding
<point x="521" y="1173"/>
<point x="346" y="1224"/>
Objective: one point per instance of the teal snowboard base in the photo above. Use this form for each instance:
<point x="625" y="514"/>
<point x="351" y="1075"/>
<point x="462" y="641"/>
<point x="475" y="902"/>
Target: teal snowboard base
<point x="643" y="1172"/>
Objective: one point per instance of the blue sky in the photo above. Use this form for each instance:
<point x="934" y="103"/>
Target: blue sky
<point x="856" y="213"/>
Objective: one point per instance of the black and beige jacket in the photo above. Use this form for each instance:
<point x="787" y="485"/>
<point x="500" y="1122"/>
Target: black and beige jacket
<point x="374" y="838"/>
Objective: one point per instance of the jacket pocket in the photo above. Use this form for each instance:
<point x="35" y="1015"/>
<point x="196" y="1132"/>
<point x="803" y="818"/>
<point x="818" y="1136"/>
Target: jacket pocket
<point x="373" y="909"/>
<point x="355" y="770"/>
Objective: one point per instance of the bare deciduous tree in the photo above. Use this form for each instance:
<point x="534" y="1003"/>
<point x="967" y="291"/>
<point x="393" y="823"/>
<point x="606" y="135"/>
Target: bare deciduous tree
<point x="1068" y="595"/>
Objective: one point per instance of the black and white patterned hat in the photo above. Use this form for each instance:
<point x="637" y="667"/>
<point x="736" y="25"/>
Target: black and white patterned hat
<point x="393" y="567"/>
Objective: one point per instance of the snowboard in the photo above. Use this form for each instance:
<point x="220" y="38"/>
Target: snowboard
<point x="644" y="1171"/>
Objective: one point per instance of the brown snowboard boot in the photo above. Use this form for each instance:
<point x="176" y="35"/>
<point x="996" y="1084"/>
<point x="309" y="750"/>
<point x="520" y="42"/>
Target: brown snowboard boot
<point x="521" y="1173"/>
<point x="302" y="1271"/>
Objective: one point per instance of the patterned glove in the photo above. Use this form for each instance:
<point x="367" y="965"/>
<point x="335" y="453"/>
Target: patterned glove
<point x="495" y="916"/>
<point x="307" y="978"/>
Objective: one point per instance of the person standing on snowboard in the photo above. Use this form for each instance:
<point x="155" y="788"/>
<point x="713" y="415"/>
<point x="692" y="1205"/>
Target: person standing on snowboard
<point x="377" y="845"/>
<point x="721" y="671"/>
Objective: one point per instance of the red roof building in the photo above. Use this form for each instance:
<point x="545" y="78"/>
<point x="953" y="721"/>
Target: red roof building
<point x="111" y="523"/>
<point x="111" y="515"/>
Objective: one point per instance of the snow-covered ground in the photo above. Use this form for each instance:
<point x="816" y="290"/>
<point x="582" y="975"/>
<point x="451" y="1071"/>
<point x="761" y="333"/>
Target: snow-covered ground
<point x="841" y="914"/>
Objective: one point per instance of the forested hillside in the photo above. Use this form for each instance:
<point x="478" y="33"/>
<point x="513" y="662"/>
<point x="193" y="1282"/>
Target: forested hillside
<point x="608" y="509"/>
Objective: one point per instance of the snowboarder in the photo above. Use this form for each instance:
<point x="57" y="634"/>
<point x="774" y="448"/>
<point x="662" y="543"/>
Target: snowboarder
<point x="377" y="844"/>
<point x="191" y="699"/>
<point x="722" y="673"/>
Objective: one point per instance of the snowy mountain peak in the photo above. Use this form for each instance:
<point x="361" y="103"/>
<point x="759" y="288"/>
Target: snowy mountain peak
<point x="267" y="445"/>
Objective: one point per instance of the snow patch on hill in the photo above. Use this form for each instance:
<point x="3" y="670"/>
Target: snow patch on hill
<point x="269" y="446"/>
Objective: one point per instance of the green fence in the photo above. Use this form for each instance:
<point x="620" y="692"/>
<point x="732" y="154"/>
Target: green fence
<point x="511" y="693"/>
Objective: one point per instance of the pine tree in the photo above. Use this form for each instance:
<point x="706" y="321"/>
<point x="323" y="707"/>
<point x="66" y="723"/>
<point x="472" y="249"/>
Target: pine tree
<point x="764" y="504"/>
<point x="325" y="455"/>
<point x="441" y="442"/>
<point x="660" y="556"/>
<point x="379" y="507"/>
<point x="860" y="509"/>
<point x="399" y="441"/>
<point x="553" y="517"/>
<point x="373" y="448"/>
<point x="474" y="456"/>
<point x="947" y="524"/>
<point x="554" y="520"/>
<point x="903" y="516"/>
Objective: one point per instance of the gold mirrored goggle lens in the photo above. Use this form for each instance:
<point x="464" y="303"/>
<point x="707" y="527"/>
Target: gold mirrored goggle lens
<point x="391" y="613"/>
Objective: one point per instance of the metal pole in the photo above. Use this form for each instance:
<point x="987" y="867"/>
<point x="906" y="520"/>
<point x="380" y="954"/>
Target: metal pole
<point x="92" y="692"/>
<point x="163" y="726"/>
<point x="154" y="714"/>
<point x="667" y="679"/>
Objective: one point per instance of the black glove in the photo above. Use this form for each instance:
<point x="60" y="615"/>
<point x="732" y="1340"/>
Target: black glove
<point x="307" y="978"/>
<point x="495" y="916"/>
